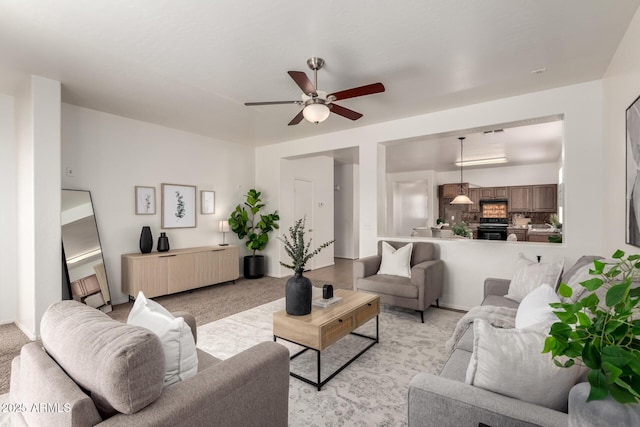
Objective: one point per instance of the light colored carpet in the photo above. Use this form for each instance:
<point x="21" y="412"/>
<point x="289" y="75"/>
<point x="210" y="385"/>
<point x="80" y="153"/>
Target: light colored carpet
<point x="373" y="389"/>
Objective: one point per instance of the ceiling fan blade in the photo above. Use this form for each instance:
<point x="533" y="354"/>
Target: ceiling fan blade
<point x="345" y="112"/>
<point x="272" y="103"/>
<point x="303" y="82"/>
<point x="297" y="119"/>
<point x="358" y="91"/>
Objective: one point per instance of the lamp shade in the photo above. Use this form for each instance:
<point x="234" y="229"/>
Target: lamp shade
<point x="223" y="226"/>
<point x="316" y="113"/>
<point x="461" y="199"/>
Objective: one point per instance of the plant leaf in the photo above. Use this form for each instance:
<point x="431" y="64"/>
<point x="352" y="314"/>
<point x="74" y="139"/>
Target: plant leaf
<point x="565" y="291"/>
<point x="592" y="284"/>
<point x="598" y="382"/>
<point x="616" y="294"/>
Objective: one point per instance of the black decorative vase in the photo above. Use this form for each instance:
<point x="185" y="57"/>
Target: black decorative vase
<point x="298" y="295"/>
<point x="146" y="240"/>
<point x="253" y="266"/>
<point x="163" y="243"/>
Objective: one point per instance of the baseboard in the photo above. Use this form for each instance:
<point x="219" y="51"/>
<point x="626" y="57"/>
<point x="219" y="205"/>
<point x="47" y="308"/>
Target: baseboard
<point x="27" y="332"/>
<point x="454" y="307"/>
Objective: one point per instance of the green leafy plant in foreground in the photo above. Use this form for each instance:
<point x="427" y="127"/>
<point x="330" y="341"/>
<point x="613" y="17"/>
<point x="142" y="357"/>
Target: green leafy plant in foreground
<point x="296" y="248"/>
<point x="603" y="335"/>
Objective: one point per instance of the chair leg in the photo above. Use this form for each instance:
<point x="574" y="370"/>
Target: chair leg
<point x="422" y="316"/>
<point x="437" y="303"/>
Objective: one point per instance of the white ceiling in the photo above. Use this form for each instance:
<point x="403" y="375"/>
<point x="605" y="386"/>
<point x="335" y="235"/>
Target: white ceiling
<point x="191" y="64"/>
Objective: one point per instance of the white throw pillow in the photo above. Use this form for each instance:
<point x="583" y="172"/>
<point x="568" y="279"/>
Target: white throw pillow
<point x="510" y="362"/>
<point x="530" y="274"/>
<point x="181" y="358"/>
<point x="396" y="262"/>
<point x="535" y="309"/>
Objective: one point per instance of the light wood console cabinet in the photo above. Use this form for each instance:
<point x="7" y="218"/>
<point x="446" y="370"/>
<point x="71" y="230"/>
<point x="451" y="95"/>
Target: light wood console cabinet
<point x="163" y="273"/>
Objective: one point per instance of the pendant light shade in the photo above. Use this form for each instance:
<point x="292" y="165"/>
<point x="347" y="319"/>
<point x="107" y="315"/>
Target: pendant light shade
<point x="461" y="198"/>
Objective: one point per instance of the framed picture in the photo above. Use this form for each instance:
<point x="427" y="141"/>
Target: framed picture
<point x="633" y="175"/>
<point x="207" y="202"/>
<point x="178" y="206"/>
<point x="145" y="200"/>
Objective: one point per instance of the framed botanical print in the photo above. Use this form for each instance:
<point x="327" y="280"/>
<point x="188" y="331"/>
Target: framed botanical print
<point x="633" y="174"/>
<point x="207" y="202"/>
<point x="145" y="200"/>
<point x="178" y="206"/>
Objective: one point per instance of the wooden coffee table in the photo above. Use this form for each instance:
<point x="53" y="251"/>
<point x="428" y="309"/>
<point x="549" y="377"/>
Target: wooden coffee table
<point x="324" y="326"/>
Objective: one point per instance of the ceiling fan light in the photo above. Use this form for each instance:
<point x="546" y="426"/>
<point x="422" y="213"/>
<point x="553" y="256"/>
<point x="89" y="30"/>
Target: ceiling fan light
<point x="316" y="113"/>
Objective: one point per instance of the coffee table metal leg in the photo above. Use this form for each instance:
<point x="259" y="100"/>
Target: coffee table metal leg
<point x="320" y="383"/>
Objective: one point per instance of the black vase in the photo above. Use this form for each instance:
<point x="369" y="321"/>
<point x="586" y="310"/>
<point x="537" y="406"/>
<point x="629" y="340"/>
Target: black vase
<point x="146" y="240"/>
<point x="298" y="295"/>
<point x="163" y="243"/>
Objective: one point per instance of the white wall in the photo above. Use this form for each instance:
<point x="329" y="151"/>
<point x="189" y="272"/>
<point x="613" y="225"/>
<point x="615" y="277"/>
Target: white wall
<point x="8" y="214"/>
<point x="468" y="263"/>
<point x="318" y="170"/>
<point x="621" y="86"/>
<point x="37" y="113"/>
<point x="345" y="214"/>
<point x="110" y="155"/>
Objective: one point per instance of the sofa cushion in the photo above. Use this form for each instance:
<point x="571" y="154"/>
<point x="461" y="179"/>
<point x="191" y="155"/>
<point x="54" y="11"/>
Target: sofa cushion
<point x="579" y="275"/>
<point x="390" y="285"/>
<point x="535" y="309"/>
<point x="117" y="364"/>
<point x="396" y="262"/>
<point x="510" y="362"/>
<point x="181" y="359"/>
<point x="456" y="366"/>
<point x="500" y="301"/>
<point x="530" y="274"/>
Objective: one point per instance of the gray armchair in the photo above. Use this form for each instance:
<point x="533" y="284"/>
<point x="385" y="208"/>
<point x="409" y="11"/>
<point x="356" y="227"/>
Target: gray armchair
<point x="423" y="289"/>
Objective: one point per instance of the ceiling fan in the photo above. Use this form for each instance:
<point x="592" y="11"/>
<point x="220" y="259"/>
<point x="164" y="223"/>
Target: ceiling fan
<point x="318" y="104"/>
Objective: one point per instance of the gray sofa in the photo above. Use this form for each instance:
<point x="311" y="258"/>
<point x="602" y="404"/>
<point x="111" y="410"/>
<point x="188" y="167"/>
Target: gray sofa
<point x="423" y="289"/>
<point x="94" y="370"/>
<point x="445" y="400"/>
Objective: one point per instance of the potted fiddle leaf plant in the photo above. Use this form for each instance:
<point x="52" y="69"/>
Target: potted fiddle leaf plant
<point x="247" y="221"/>
<point x="298" y="290"/>
<point x="604" y="336"/>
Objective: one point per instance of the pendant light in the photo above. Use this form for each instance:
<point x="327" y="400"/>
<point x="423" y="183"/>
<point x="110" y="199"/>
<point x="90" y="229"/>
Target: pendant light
<point x="461" y="198"/>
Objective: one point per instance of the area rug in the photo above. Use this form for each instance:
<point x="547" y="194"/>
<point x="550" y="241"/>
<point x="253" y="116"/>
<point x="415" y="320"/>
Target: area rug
<point x="370" y="391"/>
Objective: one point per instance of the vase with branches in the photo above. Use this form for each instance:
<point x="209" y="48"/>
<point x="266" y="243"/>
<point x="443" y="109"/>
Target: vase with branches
<point x="298" y="288"/>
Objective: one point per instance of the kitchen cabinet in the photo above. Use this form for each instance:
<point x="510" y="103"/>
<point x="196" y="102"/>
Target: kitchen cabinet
<point x="541" y="237"/>
<point x="486" y="193"/>
<point x="474" y="195"/>
<point x="521" y="233"/>
<point x="163" y="273"/>
<point x="544" y="198"/>
<point x="520" y="198"/>
<point x="450" y="191"/>
<point x="500" y="192"/>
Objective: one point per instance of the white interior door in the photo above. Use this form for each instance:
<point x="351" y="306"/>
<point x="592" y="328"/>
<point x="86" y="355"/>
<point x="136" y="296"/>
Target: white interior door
<point x="303" y="207"/>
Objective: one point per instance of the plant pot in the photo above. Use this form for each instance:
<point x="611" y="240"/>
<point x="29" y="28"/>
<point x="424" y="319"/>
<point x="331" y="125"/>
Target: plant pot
<point x="599" y="412"/>
<point x="298" y="295"/>
<point x="253" y="266"/>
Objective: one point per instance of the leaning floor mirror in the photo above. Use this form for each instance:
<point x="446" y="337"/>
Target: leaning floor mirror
<point x="84" y="274"/>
